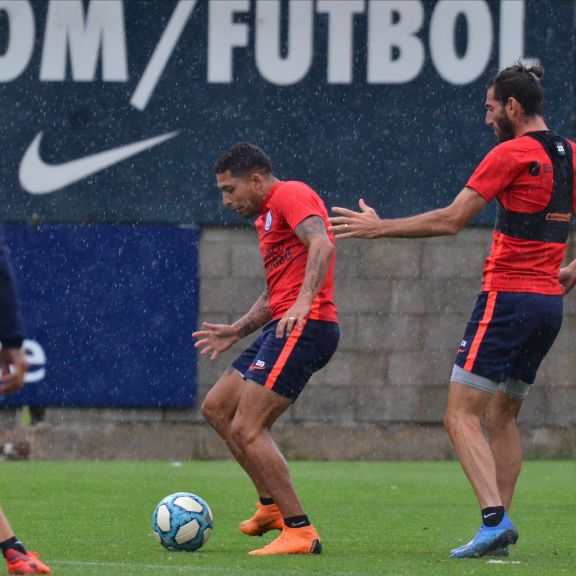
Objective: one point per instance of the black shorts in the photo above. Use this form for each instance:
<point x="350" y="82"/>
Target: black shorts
<point x="285" y="365"/>
<point x="509" y="335"/>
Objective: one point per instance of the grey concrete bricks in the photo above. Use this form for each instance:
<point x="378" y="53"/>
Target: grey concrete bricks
<point x="388" y="333"/>
<point x="351" y="369"/>
<point x="363" y="296"/>
<point x="414" y="368"/>
<point x="235" y="294"/>
<point x="453" y="258"/>
<point x="404" y="305"/>
<point x="386" y="259"/>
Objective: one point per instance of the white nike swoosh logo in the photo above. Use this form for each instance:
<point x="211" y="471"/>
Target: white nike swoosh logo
<point x="37" y="177"/>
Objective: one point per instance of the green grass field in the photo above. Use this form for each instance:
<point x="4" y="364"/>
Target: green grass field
<point x="401" y="519"/>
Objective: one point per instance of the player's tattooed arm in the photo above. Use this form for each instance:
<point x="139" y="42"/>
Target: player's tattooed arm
<point x="213" y="339"/>
<point x="256" y="317"/>
<point x="312" y="233"/>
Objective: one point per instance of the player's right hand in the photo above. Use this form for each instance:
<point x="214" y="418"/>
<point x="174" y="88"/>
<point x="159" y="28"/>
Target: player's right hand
<point x="14" y="366"/>
<point x="215" y="338"/>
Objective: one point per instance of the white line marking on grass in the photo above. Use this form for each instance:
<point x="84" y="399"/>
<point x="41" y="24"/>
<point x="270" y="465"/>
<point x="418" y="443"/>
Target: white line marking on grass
<point x="124" y="566"/>
<point x="189" y="569"/>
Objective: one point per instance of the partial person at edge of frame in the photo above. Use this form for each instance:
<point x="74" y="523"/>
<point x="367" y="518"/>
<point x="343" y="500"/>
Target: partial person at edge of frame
<point x="14" y="366"/>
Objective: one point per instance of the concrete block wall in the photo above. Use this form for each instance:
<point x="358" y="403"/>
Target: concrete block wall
<point x="403" y="307"/>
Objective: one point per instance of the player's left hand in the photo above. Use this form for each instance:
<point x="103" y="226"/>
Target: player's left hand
<point x="363" y="224"/>
<point x="567" y="279"/>
<point x="13" y="379"/>
<point x="293" y="318"/>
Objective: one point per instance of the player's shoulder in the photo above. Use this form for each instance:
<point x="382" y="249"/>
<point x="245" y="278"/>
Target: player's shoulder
<point x="296" y="186"/>
<point x="521" y="144"/>
<point x="290" y="189"/>
<point x="513" y="150"/>
<point x="526" y="143"/>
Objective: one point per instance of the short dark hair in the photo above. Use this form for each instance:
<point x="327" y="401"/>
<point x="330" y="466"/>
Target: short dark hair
<point x="523" y="84"/>
<point x="243" y="159"/>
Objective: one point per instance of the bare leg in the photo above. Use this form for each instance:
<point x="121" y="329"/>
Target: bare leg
<point x="257" y="411"/>
<point x="219" y="408"/>
<point x="466" y="406"/>
<point x="500" y="419"/>
<point x="5" y="529"/>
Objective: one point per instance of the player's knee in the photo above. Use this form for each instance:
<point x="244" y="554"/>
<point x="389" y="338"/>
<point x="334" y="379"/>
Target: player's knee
<point x="492" y="426"/>
<point x="456" y="420"/>
<point x="242" y="433"/>
<point x="449" y="421"/>
<point x="211" y="409"/>
<point x="497" y="423"/>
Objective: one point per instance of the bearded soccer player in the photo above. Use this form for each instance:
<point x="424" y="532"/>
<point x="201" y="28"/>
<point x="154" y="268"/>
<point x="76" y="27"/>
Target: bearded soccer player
<point x="519" y="310"/>
<point x="299" y="336"/>
<point x="14" y="366"/>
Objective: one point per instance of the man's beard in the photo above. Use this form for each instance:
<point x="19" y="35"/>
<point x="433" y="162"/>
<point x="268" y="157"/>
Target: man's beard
<point x="505" y="129"/>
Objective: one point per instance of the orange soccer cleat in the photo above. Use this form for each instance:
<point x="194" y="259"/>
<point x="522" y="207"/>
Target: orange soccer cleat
<point x="265" y="519"/>
<point x="28" y="563"/>
<point x="293" y="541"/>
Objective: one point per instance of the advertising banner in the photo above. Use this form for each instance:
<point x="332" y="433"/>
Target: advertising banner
<point x="114" y="111"/>
<point x="109" y="312"/>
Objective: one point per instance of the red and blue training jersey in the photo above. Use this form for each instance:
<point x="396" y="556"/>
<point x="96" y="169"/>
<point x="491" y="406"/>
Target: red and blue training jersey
<point x="519" y="173"/>
<point x="285" y="256"/>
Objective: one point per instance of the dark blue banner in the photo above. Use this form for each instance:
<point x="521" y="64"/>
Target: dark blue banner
<point x="114" y="111"/>
<point x="109" y="312"/>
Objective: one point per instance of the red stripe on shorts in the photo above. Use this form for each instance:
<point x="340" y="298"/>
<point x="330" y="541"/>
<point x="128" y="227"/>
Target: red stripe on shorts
<point x="282" y="359"/>
<point x="483" y="326"/>
<point x="314" y="313"/>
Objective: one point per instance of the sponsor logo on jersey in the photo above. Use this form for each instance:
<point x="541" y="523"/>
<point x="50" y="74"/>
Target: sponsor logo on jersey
<point x="559" y="216"/>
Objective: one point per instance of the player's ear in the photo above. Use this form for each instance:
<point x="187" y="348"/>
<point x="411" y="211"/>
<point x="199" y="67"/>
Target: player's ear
<point x="257" y="180"/>
<point x="514" y="106"/>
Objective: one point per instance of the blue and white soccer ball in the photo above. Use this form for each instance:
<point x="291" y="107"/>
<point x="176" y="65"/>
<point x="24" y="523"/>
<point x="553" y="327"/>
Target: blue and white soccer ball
<point x="182" y="521"/>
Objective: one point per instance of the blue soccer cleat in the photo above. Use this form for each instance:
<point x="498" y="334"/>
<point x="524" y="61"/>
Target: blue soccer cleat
<point x="488" y="539"/>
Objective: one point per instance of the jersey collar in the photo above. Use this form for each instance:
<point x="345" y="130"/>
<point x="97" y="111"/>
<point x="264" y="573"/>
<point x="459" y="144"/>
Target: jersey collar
<point x="273" y="190"/>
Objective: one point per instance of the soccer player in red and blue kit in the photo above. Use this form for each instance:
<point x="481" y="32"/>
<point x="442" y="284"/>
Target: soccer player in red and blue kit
<point x="519" y="310"/>
<point x="14" y="366"/>
<point x="299" y="336"/>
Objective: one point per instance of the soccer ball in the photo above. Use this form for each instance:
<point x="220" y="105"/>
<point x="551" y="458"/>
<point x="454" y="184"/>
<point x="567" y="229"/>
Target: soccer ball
<point x="182" y="521"/>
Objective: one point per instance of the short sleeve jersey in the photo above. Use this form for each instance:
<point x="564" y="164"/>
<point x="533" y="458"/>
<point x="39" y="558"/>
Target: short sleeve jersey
<point x="11" y="330"/>
<point x="285" y="256"/>
<point x="519" y="173"/>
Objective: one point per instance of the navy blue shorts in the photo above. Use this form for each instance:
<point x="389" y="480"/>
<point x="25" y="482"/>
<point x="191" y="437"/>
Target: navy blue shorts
<point x="509" y="335"/>
<point x="285" y="365"/>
